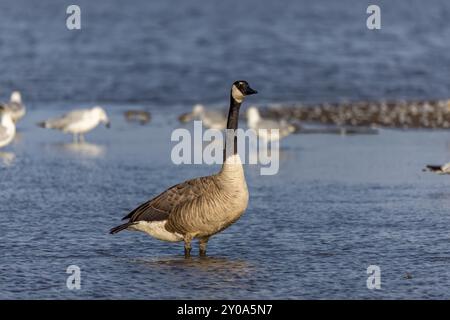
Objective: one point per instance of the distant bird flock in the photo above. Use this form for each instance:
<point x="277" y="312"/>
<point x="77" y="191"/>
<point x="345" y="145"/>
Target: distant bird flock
<point x="396" y="114"/>
<point x="202" y="207"/>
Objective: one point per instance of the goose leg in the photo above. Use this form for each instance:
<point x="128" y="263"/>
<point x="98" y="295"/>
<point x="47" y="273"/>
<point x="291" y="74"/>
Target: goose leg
<point x="81" y="138"/>
<point x="202" y="244"/>
<point x="75" y="138"/>
<point x="187" y="245"/>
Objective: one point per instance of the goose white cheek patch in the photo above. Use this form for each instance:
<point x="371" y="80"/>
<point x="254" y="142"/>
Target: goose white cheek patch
<point x="237" y="94"/>
<point x="207" y="147"/>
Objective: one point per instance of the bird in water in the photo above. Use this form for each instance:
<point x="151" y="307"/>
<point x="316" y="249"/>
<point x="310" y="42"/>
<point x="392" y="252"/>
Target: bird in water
<point x="78" y="122"/>
<point x="201" y="207"/>
<point x="7" y="127"/>
<point x="440" y="169"/>
<point x="141" y="116"/>
<point x="15" y="106"/>
<point x="267" y="129"/>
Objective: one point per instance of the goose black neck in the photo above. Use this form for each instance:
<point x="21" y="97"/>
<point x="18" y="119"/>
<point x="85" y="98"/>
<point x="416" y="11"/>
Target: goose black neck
<point x="233" y="114"/>
<point x="232" y="125"/>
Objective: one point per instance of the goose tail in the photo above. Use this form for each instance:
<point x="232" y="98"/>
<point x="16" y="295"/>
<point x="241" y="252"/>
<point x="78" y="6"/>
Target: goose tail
<point x="120" y="228"/>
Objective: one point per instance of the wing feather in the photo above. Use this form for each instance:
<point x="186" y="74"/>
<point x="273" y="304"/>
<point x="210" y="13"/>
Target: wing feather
<point x="67" y="119"/>
<point x="160" y="207"/>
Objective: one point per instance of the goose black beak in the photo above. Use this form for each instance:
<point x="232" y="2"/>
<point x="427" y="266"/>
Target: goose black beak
<point x="250" y="91"/>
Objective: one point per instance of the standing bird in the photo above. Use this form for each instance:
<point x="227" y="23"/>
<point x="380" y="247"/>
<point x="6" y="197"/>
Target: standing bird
<point x="15" y="106"/>
<point x="141" y="116"/>
<point x="441" y="169"/>
<point x="78" y="122"/>
<point x="201" y="207"/>
<point x="211" y="119"/>
<point x="274" y="130"/>
<point x="7" y="127"/>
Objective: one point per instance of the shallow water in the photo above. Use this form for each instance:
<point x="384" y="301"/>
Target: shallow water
<point x="337" y="205"/>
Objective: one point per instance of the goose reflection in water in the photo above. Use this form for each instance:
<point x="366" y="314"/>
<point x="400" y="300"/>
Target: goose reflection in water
<point x="217" y="265"/>
<point x="182" y="276"/>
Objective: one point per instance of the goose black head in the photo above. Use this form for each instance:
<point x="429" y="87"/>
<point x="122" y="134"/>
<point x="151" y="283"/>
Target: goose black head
<point x="240" y="90"/>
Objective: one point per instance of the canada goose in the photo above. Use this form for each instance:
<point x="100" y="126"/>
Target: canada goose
<point x="141" y="116"/>
<point x="255" y="122"/>
<point x="441" y="169"/>
<point x="7" y="127"/>
<point x="78" y="122"/>
<point x="212" y="119"/>
<point x="16" y="107"/>
<point x="201" y="207"/>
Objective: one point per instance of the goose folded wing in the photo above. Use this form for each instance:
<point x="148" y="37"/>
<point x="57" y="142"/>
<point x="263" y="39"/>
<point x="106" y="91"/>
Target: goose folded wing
<point x="160" y="207"/>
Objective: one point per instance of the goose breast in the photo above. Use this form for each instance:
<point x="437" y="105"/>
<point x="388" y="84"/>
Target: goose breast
<point x="224" y="201"/>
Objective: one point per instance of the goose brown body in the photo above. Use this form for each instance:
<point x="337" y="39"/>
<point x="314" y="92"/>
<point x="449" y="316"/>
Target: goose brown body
<point x="220" y="201"/>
